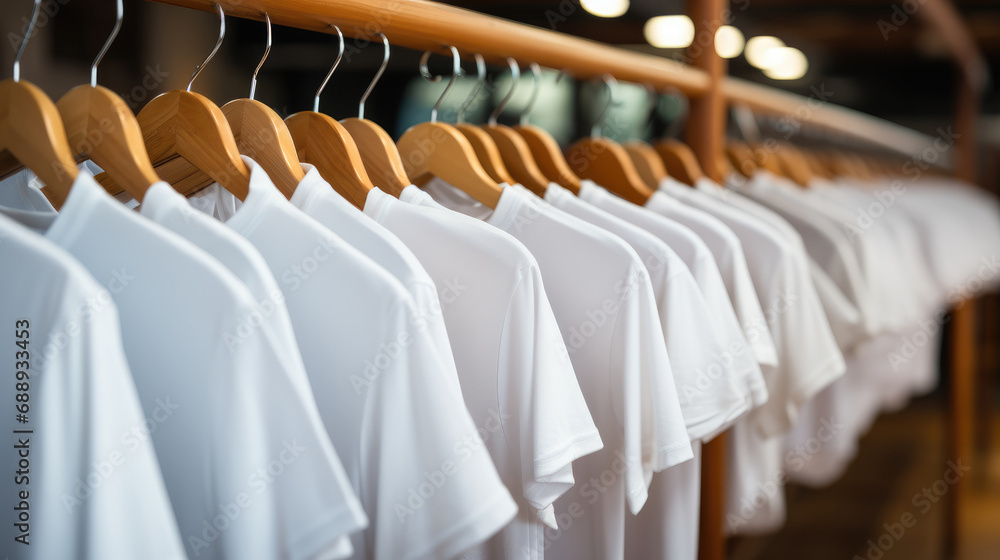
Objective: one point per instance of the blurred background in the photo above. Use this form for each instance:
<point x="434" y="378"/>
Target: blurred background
<point x="868" y="55"/>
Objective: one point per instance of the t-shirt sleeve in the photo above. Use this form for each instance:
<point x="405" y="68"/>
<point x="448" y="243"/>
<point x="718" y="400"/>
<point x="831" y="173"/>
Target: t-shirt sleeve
<point x="279" y="481"/>
<point x="548" y="418"/>
<point x="646" y="400"/>
<point x="431" y="485"/>
<point x="709" y="388"/>
<point x="88" y="481"/>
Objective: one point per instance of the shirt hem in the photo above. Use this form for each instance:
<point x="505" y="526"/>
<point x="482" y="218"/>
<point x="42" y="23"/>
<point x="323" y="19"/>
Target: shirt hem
<point x="478" y="527"/>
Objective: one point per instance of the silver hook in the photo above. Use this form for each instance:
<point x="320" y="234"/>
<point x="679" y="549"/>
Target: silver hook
<point x="24" y="40"/>
<point x="336" y="63"/>
<point x="222" y="35"/>
<point x="610" y="82"/>
<point x="536" y="75"/>
<point x="378" y="75"/>
<point x="107" y="44"/>
<point x="515" y="75"/>
<point x="456" y="69"/>
<point x="267" y="51"/>
<point x="651" y="98"/>
<point x="480" y="81"/>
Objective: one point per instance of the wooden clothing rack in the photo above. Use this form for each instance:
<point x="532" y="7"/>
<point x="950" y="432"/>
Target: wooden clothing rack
<point x="425" y="25"/>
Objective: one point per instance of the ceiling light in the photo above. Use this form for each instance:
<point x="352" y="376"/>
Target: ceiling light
<point x="758" y="46"/>
<point x="669" y="32"/>
<point x="729" y="41"/>
<point x="786" y="63"/>
<point x="605" y="8"/>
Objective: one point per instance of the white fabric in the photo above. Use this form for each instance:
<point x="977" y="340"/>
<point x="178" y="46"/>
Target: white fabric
<point x="690" y="247"/>
<point x="390" y="404"/>
<point x="221" y="413"/>
<point x="90" y="490"/>
<point x="732" y="264"/>
<point x="316" y="197"/>
<point x="700" y="352"/>
<point x="168" y="208"/>
<point x="593" y="278"/>
<point x="515" y="372"/>
<point x="843" y="316"/>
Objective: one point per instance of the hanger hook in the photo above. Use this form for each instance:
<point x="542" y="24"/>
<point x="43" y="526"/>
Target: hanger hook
<point x="456" y="69"/>
<point x="336" y="63"/>
<point x="378" y="76"/>
<point x="107" y="44"/>
<point x="222" y="35"/>
<point x="24" y="40"/>
<point x="609" y="83"/>
<point x="480" y="81"/>
<point x="536" y="86"/>
<point x="515" y="75"/>
<point x="651" y="98"/>
<point x="267" y="51"/>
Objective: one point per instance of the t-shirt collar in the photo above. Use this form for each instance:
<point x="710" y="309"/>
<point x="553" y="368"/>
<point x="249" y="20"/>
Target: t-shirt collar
<point x="675" y="188"/>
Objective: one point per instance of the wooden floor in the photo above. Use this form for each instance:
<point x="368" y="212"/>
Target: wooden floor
<point x="899" y="457"/>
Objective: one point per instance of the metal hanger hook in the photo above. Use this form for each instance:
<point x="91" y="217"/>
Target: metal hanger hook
<point x="222" y="35"/>
<point x="609" y="82"/>
<point x="24" y="40"/>
<point x="515" y="75"/>
<point x="651" y="98"/>
<point x="378" y="76"/>
<point x="456" y="70"/>
<point x="336" y="63"/>
<point x="107" y="44"/>
<point x="267" y="51"/>
<point x="480" y="81"/>
<point x="674" y="128"/>
<point x="536" y="86"/>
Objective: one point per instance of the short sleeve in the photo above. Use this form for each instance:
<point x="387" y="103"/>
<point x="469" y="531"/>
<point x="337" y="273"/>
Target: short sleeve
<point x="549" y="422"/>
<point x="430" y="484"/>
<point x="646" y="399"/>
<point x="279" y="476"/>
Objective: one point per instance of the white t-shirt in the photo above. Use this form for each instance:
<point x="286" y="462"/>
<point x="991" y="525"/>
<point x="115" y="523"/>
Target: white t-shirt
<point x="168" y="208"/>
<point x="224" y="418"/>
<point x="515" y="372"/>
<point x="390" y="404"/>
<point x="710" y="390"/>
<point x="731" y="260"/>
<point x="808" y="356"/>
<point x="692" y="249"/>
<point x="316" y="197"/>
<point x="83" y="490"/>
<point x="841" y="313"/>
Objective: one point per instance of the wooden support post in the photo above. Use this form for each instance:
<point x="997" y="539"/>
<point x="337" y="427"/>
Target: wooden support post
<point x="706" y="128"/>
<point x="962" y="374"/>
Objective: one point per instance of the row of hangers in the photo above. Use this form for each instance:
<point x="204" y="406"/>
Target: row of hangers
<point x="183" y="138"/>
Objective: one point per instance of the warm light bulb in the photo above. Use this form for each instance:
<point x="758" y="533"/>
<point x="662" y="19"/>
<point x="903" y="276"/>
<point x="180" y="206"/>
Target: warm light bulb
<point x="786" y="63"/>
<point x="669" y="32"/>
<point x="757" y="48"/>
<point x="605" y="8"/>
<point x="729" y="41"/>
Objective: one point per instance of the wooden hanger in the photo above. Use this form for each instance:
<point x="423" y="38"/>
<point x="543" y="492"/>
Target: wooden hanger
<point x="606" y="162"/>
<point x="322" y="141"/>
<point x="32" y="132"/>
<point x="435" y="149"/>
<point x="189" y="140"/>
<point x="647" y="162"/>
<point x="793" y="166"/>
<point x="741" y="157"/>
<point x="513" y="149"/>
<point x="543" y="146"/>
<point x="765" y="159"/>
<point x="680" y="161"/>
<point x="484" y="146"/>
<point x="100" y="126"/>
<point x="378" y="152"/>
<point x="261" y="135"/>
